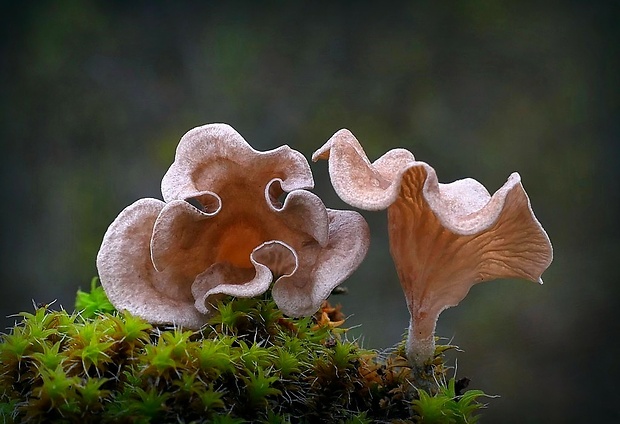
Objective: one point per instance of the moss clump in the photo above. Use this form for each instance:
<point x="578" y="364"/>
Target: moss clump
<point x="249" y="364"/>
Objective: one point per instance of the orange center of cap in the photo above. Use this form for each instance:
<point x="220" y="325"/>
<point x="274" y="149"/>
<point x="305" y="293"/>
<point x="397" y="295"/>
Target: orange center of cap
<point x="237" y="243"/>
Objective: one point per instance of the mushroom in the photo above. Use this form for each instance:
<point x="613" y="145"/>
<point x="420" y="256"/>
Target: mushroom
<point x="233" y="221"/>
<point x="444" y="238"/>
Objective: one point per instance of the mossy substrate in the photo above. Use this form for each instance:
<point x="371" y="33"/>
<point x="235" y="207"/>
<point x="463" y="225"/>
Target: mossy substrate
<point x="249" y="364"/>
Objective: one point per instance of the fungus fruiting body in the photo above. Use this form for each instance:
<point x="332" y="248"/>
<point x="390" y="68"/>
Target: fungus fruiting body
<point x="224" y="229"/>
<point x="444" y="238"/>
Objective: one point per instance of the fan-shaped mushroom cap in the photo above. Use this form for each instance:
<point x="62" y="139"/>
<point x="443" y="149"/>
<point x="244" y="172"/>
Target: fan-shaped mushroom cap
<point x="224" y="230"/>
<point x="444" y="238"/>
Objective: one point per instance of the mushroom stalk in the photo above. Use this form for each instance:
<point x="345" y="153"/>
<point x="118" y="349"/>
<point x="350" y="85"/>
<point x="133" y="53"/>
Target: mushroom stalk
<point x="419" y="349"/>
<point x="420" y="344"/>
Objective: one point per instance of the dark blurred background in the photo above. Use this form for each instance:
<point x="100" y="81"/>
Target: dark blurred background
<point x="95" y="96"/>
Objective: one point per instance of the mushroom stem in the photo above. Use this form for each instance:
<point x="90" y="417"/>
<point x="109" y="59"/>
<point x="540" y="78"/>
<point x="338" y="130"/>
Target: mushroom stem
<point x="407" y="256"/>
<point x="420" y="347"/>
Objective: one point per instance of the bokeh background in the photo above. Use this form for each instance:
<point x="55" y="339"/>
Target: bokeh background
<point x="96" y="94"/>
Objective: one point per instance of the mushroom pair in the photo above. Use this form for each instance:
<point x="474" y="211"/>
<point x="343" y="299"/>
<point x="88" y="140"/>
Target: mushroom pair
<point x="444" y="238"/>
<point x="233" y="221"/>
<point x="236" y="221"/>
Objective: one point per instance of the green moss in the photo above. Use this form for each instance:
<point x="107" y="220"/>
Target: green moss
<point x="93" y="302"/>
<point x="250" y="363"/>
